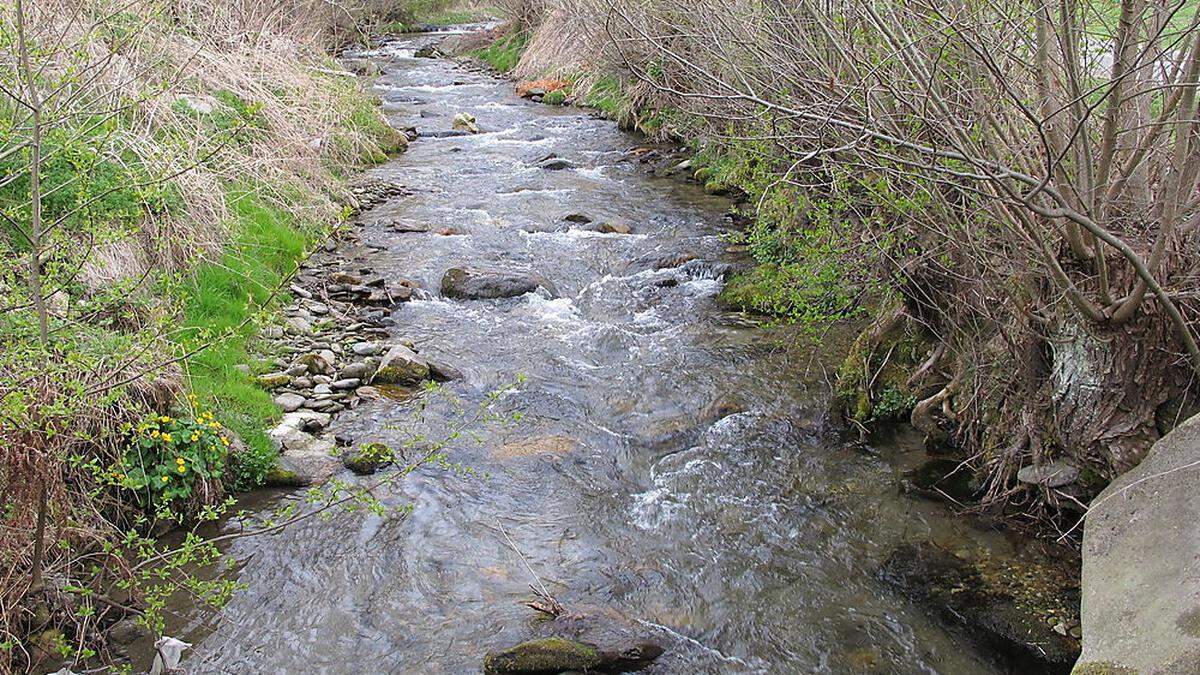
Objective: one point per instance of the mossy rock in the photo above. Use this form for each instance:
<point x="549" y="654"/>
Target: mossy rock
<point x="368" y="459"/>
<point x="280" y="477"/>
<point x="547" y="655"/>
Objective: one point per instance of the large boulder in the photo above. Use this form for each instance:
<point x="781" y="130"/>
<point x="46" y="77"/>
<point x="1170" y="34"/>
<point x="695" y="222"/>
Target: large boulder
<point x="401" y="365"/>
<point x="471" y="283"/>
<point x="1141" y="565"/>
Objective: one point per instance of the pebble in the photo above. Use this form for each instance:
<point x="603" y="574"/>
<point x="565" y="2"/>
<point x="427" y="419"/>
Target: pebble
<point x="348" y="383"/>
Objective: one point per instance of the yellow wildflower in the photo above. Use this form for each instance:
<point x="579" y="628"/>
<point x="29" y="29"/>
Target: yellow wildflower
<point x="166" y="437"/>
<point x="179" y="460"/>
<point x="224" y="440"/>
<point x="154" y="434"/>
<point x="164" y="419"/>
<point x="182" y="469"/>
<point x="164" y="479"/>
<point x="195" y="437"/>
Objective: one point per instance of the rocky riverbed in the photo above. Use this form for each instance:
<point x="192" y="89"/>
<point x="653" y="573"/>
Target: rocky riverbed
<point x="674" y="460"/>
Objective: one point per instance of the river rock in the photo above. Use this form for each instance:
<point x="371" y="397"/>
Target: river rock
<point x="289" y="402"/>
<point x="588" y="640"/>
<point x="1052" y="475"/>
<point x="362" y="370"/>
<point x="1141" y="565"/>
<point x="443" y="372"/>
<point x="577" y="218"/>
<point x="961" y="596"/>
<point x="368" y="459"/>
<point x="345" y="384"/>
<point x="489" y="284"/>
<point x="554" y="163"/>
<point x="295" y="325"/>
<point x="614" y="227"/>
<point x="273" y="380"/>
<point x="367" y="348"/>
<point x="316" y="363"/>
<point x="401" y="365"/>
<point x="464" y="122"/>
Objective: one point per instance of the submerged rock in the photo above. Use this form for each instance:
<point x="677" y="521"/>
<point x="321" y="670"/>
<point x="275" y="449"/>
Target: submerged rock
<point x="465" y="283"/>
<point x="1002" y="609"/>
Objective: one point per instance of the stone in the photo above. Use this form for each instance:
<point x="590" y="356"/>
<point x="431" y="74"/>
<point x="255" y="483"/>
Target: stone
<point x="585" y="640"/>
<point x="368" y="459"/>
<point x="545" y="655"/>
<point x="367" y="348"/>
<point x="614" y="227"/>
<point x="362" y="370"/>
<point x="348" y="383"/>
<point x="489" y="284"/>
<point x="273" y="380"/>
<point x="406" y="227"/>
<point x="317" y="363"/>
<point x="443" y="372"/>
<point x="289" y="402"/>
<point x="323" y="389"/>
<point x="369" y="393"/>
<point x="958" y="593"/>
<point x="553" y="163"/>
<point x="401" y="365"/>
<point x="1141" y="559"/>
<point x="243" y="369"/>
<point x="1053" y="475"/>
<point x="464" y="122"/>
<point x="577" y="218"/>
<point x="295" y="325"/>
<point x="449" y="231"/>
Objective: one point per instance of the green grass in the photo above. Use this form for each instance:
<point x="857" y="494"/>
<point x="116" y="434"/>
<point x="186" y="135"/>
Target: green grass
<point x="220" y="297"/>
<point x="503" y="54"/>
<point x="605" y="95"/>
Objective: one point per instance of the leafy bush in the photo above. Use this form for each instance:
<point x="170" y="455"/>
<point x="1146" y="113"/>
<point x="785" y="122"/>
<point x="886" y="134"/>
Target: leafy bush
<point x="168" y="456"/>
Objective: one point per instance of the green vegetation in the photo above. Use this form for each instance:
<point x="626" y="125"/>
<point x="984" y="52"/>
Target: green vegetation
<point x="221" y="300"/>
<point x="415" y="15"/>
<point x="167" y="456"/>
<point x="504" y="53"/>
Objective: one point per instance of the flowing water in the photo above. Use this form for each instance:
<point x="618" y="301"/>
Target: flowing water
<point x="674" y="460"/>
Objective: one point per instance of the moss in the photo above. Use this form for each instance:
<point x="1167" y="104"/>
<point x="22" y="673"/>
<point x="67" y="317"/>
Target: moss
<point x="870" y="390"/>
<point x="547" y="655"/>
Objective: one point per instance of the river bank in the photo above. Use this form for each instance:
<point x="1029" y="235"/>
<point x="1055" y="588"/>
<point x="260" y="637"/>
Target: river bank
<point x="675" y="459"/>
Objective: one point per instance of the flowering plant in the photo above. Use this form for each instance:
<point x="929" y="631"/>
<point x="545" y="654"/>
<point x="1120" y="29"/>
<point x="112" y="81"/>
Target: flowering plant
<point x="168" y="455"/>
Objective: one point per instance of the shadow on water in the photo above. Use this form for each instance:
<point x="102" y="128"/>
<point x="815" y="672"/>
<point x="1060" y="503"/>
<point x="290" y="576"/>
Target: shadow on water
<point x="675" y="461"/>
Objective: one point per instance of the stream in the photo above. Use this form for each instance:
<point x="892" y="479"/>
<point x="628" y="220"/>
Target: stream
<point x="674" y="460"/>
